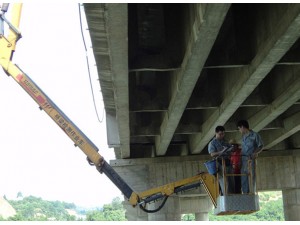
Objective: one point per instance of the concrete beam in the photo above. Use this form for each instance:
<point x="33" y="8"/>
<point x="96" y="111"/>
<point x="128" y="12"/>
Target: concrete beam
<point x="272" y="50"/>
<point x="116" y="24"/>
<point x="190" y="158"/>
<point x="264" y="118"/>
<point x="290" y="127"/>
<point x="95" y="14"/>
<point x="278" y="106"/>
<point x="205" y="29"/>
<point x="108" y="29"/>
<point x="232" y="131"/>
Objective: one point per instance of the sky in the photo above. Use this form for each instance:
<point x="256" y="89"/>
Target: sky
<point x="36" y="157"/>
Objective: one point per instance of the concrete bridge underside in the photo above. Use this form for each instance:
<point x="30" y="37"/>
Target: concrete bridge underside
<point x="170" y="73"/>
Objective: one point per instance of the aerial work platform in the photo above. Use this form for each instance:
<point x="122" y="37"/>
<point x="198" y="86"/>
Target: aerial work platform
<point x="232" y="203"/>
<point x="237" y="204"/>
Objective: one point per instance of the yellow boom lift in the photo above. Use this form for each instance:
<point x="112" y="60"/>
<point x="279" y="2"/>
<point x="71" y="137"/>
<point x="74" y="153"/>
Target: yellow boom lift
<point x="209" y="181"/>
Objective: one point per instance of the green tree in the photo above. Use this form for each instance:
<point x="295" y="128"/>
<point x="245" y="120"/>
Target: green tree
<point x="95" y="215"/>
<point x="188" y="217"/>
<point x="36" y="209"/>
<point x="19" y="195"/>
<point x="109" y="212"/>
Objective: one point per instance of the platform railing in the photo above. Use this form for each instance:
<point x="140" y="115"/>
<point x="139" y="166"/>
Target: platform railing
<point x="227" y="174"/>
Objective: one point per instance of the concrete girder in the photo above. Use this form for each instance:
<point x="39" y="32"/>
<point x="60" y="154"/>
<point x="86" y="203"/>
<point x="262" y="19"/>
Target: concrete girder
<point x="231" y="127"/>
<point x="118" y="42"/>
<point x="270" y="112"/>
<point x="290" y="128"/>
<point x="108" y="26"/>
<point x="204" y="33"/>
<point x="271" y="51"/>
<point x="277" y="107"/>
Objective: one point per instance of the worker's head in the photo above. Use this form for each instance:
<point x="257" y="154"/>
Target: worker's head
<point x="220" y="132"/>
<point x="243" y="126"/>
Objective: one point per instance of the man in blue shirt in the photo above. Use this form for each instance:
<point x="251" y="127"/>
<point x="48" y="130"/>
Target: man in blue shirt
<point x="216" y="148"/>
<point x="251" y="146"/>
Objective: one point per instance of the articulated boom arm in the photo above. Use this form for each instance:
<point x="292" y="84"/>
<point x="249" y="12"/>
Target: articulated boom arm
<point x="208" y="181"/>
<point x="7" y="47"/>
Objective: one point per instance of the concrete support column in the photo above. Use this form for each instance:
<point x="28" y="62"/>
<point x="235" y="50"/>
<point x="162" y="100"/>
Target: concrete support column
<point x="291" y="204"/>
<point x="200" y="205"/>
<point x="170" y="211"/>
<point x="201" y="216"/>
<point x="134" y="214"/>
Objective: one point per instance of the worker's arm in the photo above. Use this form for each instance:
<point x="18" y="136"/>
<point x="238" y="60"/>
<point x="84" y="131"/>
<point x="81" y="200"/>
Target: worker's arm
<point x="218" y="153"/>
<point x="260" y="145"/>
<point x="256" y="152"/>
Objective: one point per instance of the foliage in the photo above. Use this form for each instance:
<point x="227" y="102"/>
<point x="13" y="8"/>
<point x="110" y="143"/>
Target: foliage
<point x="271" y="209"/>
<point x="188" y="217"/>
<point x="19" y="195"/>
<point x="36" y="209"/>
<point x="109" y="212"/>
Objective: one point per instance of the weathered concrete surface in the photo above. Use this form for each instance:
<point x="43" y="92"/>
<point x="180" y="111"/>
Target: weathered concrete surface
<point x="291" y="204"/>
